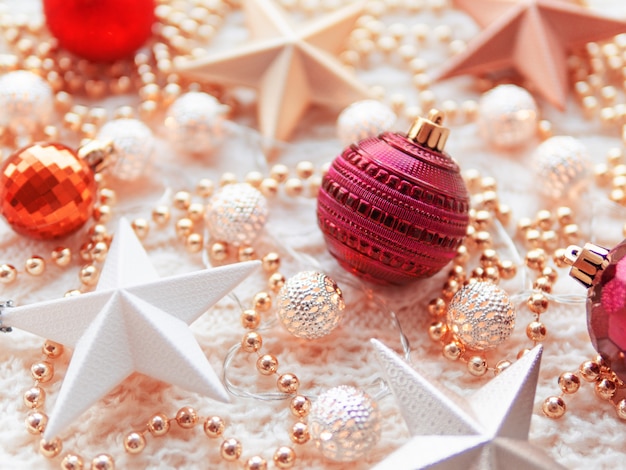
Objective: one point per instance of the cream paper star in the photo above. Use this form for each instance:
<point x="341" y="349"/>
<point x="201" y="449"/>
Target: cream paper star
<point x="291" y="66"/>
<point x="487" y="431"/>
<point x="133" y="322"/>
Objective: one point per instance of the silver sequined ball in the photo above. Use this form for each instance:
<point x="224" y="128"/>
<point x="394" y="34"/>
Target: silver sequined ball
<point x="344" y="423"/>
<point x="26" y="101"/>
<point x="310" y="305"/>
<point x="507" y="116"/>
<point x="363" y="119"/>
<point x="236" y="214"/>
<point x="481" y="316"/>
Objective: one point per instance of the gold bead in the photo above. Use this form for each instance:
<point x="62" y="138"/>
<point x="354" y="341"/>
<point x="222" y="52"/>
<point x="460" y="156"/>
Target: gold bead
<point x="214" y="426"/>
<point x="491" y="274"/>
<point x="507" y="269"/>
<point x="620" y="409"/>
<point x="141" y="227"/>
<point x="102" y="462"/>
<point x="134" y="443"/>
<point x="8" y="273"/>
<point x="536" y="259"/>
<point x="218" y="251"/>
<point x="544" y="219"/>
<point x="532" y="237"/>
<point x="107" y="196"/>
<point x="262" y="302"/>
<point x="288" y="383"/>
<point x="453" y="350"/>
<point x="482" y="219"/>
<point x="570" y="234"/>
<point x="482" y="239"/>
<point x="305" y="169"/>
<point x="50" y="449"/>
<point x="251" y="342"/>
<point x="227" y="178"/>
<point x="35" y="265"/>
<point x="61" y="256"/>
<point x="590" y="371"/>
<point x="269" y="187"/>
<point x="477" y="273"/>
<point x="501" y="366"/>
<point x="99" y="233"/>
<point x="605" y="388"/>
<point x="299" y="433"/>
<point x="34" y="397"/>
<point x="230" y="449"/>
<point x="42" y="371"/>
<point x="52" y="349"/>
<point x="246" y="253"/>
<point x="450" y="287"/>
<point x="250" y="319"/>
<point x="194" y="242"/>
<point x="72" y="462"/>
<point x="184" y="227"/>
<point x="195" y="211"/>
<point x="186" y="417"/>
<point x="267" y="364"/>
<point x="254" y="179"/>
<point x="284" y="457"/>
<point x="488" y="258"/>
<point x="182" y="200"/>
<point x="536" y="331"/>
<point x="99" y="251"/>
<point x="504" y="214"/>
<point x="205" y="188"/>
<point x="553" y="407"/>
<point x="549" y="240"/>
<point x="457" y="273"/>
<point x="543" y="284"/>
<point x="559" y="258"/>
<point x="550" y="273"/>
<point x="276" y="281"/>
<point x="279" y="173"/>
<point x="437" y="307"/>
<point x="161" y="215"/>
<point x="537" y="303"/>
<point x="271" y="262"/>
<point x="36" y="422"/>
<point x="159" y="425"/>
<point x="294" y="187"/>
<point x="89" y="275"/>
<point x="300" y="406"/>
<point x="255" y="463"/>
<point x="477" y="366"/>
<point x="462" y="255"/>
<point x="437" y="330"/>
<point x="102" y="214"/>
<point x="569" y="382"/>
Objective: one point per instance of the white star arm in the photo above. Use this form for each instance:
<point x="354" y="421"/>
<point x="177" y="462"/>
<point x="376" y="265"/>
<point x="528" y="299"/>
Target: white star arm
<point x="265" y="19"/>
<point x="340" y="22"/>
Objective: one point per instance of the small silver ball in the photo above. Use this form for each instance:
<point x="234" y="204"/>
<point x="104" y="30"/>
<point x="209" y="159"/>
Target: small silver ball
<point x="344" y="423"/>
<point x="507" y="116"/>
<point x="363" y="119"/>
<point x="236" y="214"/>
<point x="563" y="166"/>
<point x="310" y="305"/>
<point x="134" y="147"/>
<point x="195" y="122"/>
<point x="481" y="316"/>
<point x="26" y="101"/>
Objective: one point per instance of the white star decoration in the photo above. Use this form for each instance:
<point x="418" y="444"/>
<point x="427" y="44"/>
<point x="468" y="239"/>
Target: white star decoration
<point x="133" y="322"/>
<point x="488" y="430"/>
<point x="292" y="67"/>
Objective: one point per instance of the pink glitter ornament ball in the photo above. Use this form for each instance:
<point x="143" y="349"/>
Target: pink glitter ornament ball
<point x="394" y="208"/>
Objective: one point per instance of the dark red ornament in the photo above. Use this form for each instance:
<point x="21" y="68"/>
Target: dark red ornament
<point x="395" y="208"/>
<point x="100" y="30"/>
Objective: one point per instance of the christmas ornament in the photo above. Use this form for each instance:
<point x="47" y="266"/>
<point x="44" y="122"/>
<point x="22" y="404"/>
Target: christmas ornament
<point x="236" y="214"/>
<point x="310" y="305"/>
<point x="603" y="272"/>
<point x="533" y="38"/>
<point x="394" y="208"/>
<point x="563" y="165"/>
<point x="133" y="322"/>
<point x="292" y="67"/>
<point x="344" y="423"/>
<point x="26" y="100"/>
<point x="488" y="430"/>
<point x="46" y="191"/>
<point x="103" y="30"/>
<point x="195" y="121"/>
<point x="364" y="119"/>
<point x="134" y="147"/>
<point x="481" y="316"/>
<point x="507" y="116"/>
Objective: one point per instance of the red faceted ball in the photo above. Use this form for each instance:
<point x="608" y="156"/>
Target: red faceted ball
<point x="100" y="30"/>
<point x="393" y="210"/>
<point x="46" y="191"/>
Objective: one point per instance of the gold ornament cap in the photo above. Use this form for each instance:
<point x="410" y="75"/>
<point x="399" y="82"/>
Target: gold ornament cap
<point x="429" y="132"/>
<point x="586" y="262"/>
<point x="98" y="154"/>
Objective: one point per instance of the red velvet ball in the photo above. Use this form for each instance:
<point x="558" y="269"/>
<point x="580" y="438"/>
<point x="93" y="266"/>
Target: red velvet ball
<point x="100" y="30"/>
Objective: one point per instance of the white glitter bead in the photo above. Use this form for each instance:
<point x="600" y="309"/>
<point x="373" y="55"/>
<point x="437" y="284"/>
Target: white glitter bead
<point x="195" y="122"/>
<point x="363" y="119"/>
<point x="26" y="101"/>
<point x="236" y="214"/>
<point x="481" y="316"/>
<point x="507" y="116"/>
<point x="344" y="423"/>
<point x="134" y="147"/>
<point x="563" y="167"/>
<point x="310" y="305"/>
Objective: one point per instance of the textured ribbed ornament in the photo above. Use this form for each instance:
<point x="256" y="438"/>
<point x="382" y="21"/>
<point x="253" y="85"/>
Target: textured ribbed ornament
<point x="236" y="214"/>
<point x="364" y="119"/>
<point x="310" y="305"/>
<point x="394" y="208"/>
<point x="481" y="316"/>
<point x="46" y="191"/>
<point x="26" y="101"/>
<point x="344" y="423"/>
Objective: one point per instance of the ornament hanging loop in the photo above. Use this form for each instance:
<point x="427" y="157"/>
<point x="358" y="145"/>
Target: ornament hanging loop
<point x="3" y="305"/>
<point x="429" y="131"/>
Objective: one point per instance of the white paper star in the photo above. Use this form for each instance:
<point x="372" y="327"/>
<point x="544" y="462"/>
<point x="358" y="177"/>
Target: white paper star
<point x="488" y="430"/>
<point x="292" y="67"/>
<point x="133" y="322"/>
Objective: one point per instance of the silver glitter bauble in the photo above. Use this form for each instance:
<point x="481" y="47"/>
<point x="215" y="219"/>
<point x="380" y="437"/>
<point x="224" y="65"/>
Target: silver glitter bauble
<point x="134" y="147"/>
<point x="481" y="316"/>
<point x="563" y="166"/>
<point x="195" y="122"/>
<point x="344" y="423"/>
<point x="507" y="116"/>
<point x="363" y="119"/>
<point x="26" y="101"/>
<point x="236" y="214"/>
<point x="310" y="305"/>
